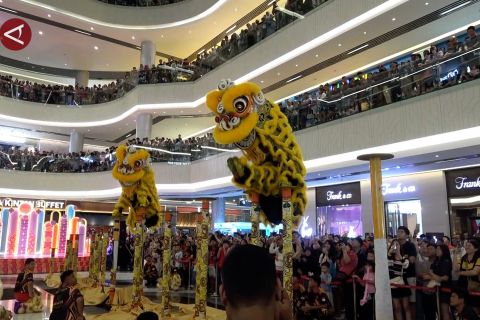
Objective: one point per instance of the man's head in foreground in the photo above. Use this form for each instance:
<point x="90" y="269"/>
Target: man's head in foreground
<point x="250" y="287"/>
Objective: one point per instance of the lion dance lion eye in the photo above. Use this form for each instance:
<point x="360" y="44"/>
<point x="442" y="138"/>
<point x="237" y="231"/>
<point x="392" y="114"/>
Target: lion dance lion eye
<point x="220" y="108"/>
<point x="241" y="104"/>
<point x="138" y="163"/>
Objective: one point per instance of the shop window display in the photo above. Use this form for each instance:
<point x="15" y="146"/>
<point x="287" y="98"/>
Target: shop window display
<point x="342" y="220"/>
<point x="403" y="213"/>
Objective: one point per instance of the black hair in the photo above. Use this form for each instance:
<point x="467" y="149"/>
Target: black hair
<point x="248" y="276"/>
<point x="471" y="28"/>
<point x="65" y="274"/>
<point x="407" y="232"/>
<point x="445" y="252"/>
<point x="29" y="260"/>
<point x="148" y="315"/>
<point x="448" y="238"/>
<point x="326" y="264"/>
<point x="460" y="292"/>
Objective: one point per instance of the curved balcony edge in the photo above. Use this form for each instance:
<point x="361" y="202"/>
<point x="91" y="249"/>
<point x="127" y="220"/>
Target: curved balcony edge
<point x="411" y="127"/>
<point x="121" y="17"/>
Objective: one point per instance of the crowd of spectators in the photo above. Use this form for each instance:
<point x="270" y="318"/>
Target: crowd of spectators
<point x="164" y="150"/>
<point x="140" y="3"/>
<point x="435" y="68"/>
<point x="325" y="268"/>
<point x="166" y="71"/>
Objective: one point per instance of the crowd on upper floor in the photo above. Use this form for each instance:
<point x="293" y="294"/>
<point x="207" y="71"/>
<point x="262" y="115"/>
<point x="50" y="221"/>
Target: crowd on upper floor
<point x="164" y="150"/>
<point x="165" y="72"/>
<point x="433" y="69"/>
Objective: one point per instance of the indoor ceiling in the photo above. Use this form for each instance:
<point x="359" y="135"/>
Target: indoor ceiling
<point x="61" y="48"/>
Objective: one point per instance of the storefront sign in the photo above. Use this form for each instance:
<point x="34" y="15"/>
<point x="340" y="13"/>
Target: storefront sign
<point x="465" y="182"/>
<point x="339" y="194"/>
<point x="399" y="188"/>
<point x="39" y="204"/>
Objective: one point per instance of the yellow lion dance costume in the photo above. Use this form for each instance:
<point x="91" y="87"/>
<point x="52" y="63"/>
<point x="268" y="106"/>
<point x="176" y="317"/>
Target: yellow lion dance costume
<point x="272" y="157"/>
<point x="139" y="192"/>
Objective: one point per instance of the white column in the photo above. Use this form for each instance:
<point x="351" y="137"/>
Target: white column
<point x="82" y="77"/>
<point x="218" y="210"/>
<point x="148" y="53"/>
<point x="76" y="142"/>
<point x="144" y="125"/>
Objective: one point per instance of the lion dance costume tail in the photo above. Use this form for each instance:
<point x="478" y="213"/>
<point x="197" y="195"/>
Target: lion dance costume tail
<point x="271" y="155"/>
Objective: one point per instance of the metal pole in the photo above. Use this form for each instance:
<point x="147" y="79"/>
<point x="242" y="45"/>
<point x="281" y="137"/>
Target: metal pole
<point x="287" y="241"/>
<point x="48" y="98"/>
<point x="437" y="294"/>
<point x="138" y="261"/>
<point x="354" y="298"/>
<point x="202" y="263"/>
<point x="215" y="293"/>
<point x="254" y="217"/>
<point x="167" y="254"/>
<point x="383" y="294"/>
<point x="113" y="271"/>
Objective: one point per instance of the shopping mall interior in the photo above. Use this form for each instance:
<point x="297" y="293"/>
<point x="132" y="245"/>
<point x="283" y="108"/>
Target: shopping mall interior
<point x="227" y="159"/>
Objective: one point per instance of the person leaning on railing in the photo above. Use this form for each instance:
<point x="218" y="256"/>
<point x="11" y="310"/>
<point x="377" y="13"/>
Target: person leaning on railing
<point x="469" y="270"/>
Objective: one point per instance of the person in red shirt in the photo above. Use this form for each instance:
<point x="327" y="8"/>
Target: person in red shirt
<point x="222" y="253"/>
<point x="347" y="266"/>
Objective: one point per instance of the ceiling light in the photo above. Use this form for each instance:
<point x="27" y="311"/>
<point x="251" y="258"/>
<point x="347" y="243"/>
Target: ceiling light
<point x="436" y="156"/>
<point x="426" y="3"/>
<point x="161" y="36"/>
<point x="261" y="81"/>
<point x="65" y="64"/>
<point x="293" y="79"/>
<point x="358" y="49"/>
<point x="133" y="37"/>
<point x="82" y="32"/>
<point x="28" y="58"/>
<point x="236" y="9"/>
<point x="154" y="112"/>
<point x="455" y="8"/>
<point x="9" y="10"/>
<point x="316" y="56"/>
<point x="181" y="111"/>
<point x="278" y="73"/>
<point x="92" y="28"/>
<point x="339" y="44"/>
<point x="232" y="28"/>
<point x="40" y="32"/>
<point x="49" y="15"/>
<point x="296" y="65"/>
<point x="164" y="112"/>
<point x="393" y="19"/>
<point x="364" y="32"/>
<point x="95" y="47"/>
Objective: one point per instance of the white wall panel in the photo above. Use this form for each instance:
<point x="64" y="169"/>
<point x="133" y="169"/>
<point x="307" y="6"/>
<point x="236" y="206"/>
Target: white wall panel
<point x="431" y="190"/>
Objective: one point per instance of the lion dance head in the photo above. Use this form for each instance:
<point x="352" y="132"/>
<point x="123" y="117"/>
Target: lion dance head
<point x="139" y="193"/>
<point x="272" y="158"/>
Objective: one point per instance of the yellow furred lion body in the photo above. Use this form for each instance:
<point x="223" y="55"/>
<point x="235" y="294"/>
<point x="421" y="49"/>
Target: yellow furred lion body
<point x="139" y="192"/>
<point x="272" y="157"/>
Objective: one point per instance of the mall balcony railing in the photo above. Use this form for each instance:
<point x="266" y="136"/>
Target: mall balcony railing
<point x="140" y="3"/>
<point x="375" y="90"/>
<point x="177" y="154"/>
<point x="313" y="108"/>
<point x="163" y="73"/>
